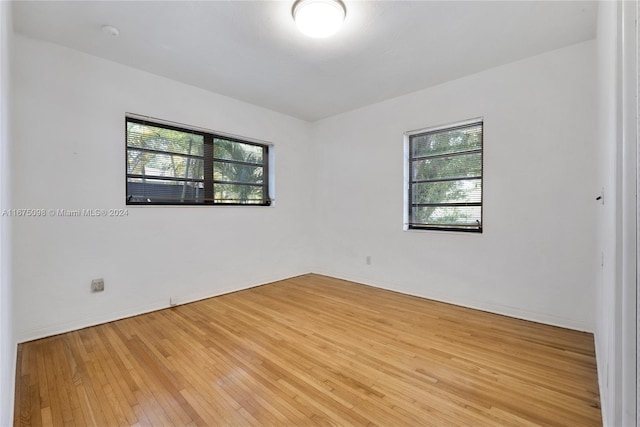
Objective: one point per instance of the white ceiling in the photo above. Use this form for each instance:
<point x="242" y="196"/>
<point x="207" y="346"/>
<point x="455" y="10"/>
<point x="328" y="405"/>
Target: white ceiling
<point x="252" y="51"/>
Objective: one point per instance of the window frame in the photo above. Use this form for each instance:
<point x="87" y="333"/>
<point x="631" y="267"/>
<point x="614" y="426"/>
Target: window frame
<point x="409" y="181"/>
<point x="209" y="161"/>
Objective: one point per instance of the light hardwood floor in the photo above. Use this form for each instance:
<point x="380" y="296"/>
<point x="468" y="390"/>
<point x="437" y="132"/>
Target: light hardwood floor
<point x="310" y="350"/>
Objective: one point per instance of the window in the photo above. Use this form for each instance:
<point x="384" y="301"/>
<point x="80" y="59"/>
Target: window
<point x="171" y="165"/>
<point x="444" y="178"/>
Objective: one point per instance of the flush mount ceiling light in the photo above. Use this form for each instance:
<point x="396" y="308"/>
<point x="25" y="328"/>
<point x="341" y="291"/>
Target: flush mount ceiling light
<point x="318" y="18"/>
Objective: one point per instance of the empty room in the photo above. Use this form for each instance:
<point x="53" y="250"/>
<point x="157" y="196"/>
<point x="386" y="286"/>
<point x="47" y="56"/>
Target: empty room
<point x="319" y="212"/>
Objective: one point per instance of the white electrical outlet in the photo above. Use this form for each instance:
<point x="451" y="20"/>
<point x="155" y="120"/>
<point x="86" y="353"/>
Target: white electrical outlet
<point x="368" y="260"/>
<point x="97" y="285"/>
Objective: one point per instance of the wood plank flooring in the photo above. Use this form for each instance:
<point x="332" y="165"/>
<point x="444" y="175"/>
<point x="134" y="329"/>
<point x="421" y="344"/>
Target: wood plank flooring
<point x="310" y="350"/>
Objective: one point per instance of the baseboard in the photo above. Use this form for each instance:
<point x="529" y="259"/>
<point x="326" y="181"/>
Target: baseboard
<point x="61" y="328"/>
<point x="503" y="310"/>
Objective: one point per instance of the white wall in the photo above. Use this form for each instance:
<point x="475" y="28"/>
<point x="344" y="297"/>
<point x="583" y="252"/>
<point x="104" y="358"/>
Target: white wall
<point x="607" y="234"/>
<point x="7" y="341"/>
<point x="616" y="219"/>
<point x="535" y="259"/>
<point x="68" y="153"/>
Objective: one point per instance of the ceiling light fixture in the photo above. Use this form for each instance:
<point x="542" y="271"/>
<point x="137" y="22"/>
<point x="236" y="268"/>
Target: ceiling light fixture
<point x="318" y="18"/>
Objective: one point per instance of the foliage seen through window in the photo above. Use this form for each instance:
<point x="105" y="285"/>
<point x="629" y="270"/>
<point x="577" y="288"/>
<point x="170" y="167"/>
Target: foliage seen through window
<point x="171" y="165"/>
<point x="445" y="178"/>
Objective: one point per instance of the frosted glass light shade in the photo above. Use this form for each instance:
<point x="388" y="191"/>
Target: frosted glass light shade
<point x="319" y="18"/>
